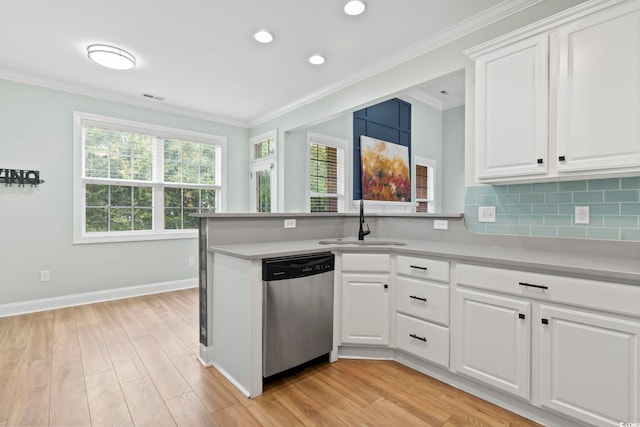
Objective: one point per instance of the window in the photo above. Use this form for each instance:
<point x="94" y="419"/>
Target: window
<point x="263" y="172"/>
<point x="135" y="181"/>
<point x="326" y="173"/>
<point x="425" y="184"/>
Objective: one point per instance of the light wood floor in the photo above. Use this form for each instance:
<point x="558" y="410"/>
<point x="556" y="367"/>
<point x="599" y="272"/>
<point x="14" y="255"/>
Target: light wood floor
<point x="133" y="362"/>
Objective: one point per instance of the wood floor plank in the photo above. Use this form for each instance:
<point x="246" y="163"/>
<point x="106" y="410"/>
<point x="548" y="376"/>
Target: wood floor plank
<point x="305" y="409"/>
<point x="270" y="413"/>
<point x="235" y="415"/>
<point x="124" y="357"/>
<point x="85" y="315"/>
<point x="145" y="404"/>
<point x="69" y="405"/>
<point x="93" y="349"/>
<point x="359" y="391"/>
<point x="8" y="381"/>
<point x="162" y="371"/>
<point x="391" y="414"/>
<point x="40" y="342"/>
<point x="32" y="393"/>
<point x="129" y="320"/>
<point x="188" y="410"/>
<point x="107" y="405"/>
<point x="66" y="345"/>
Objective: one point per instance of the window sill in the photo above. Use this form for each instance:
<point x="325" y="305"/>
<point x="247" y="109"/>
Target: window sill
<point x="133" y="237"/>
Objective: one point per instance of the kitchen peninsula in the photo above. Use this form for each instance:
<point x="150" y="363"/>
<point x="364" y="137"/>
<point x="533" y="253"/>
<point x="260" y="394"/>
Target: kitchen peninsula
<point x="501" y="317"/>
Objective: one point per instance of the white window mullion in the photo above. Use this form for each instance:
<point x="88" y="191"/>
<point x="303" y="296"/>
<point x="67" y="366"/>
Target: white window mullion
<point x="158" y="179"/>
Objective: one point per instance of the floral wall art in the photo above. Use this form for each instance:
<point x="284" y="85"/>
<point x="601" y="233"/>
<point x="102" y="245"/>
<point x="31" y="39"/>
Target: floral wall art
<point x="385" y="170"/>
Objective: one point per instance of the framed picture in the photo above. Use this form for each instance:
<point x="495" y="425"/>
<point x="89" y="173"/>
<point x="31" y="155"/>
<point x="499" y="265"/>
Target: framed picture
<point x="385" y="170"/>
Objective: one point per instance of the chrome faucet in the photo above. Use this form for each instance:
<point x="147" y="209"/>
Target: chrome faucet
<point x="362" y="232"/>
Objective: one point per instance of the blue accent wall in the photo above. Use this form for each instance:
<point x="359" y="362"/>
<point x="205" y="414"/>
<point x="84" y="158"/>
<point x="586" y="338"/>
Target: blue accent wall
<point x="548" y="209"/>
<point x="389" y="121"/>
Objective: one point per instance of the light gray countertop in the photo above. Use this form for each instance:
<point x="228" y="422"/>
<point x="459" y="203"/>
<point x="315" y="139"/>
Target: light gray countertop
<point x="589" y="266"/>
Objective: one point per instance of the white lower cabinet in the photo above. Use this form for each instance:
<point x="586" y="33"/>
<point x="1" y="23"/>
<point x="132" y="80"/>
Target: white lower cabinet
<point x="493" y="340"/>
<point x="365" y="308"/>
<point x="589" y="366"/>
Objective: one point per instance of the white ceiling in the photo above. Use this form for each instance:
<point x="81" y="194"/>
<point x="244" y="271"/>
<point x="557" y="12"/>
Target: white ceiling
<point x="200" y="56"/>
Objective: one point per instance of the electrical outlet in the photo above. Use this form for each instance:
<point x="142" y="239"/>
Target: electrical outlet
<point x="582" y="215"/>
<point x="44" y="276"/>
<point x="440" y="224"/>
<point x="289" y="223"/>
<point x="486" y="214"/>
<point x="192" y="260"/>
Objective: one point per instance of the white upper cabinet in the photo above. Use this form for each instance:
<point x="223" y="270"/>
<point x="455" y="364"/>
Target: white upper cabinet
<point x="511" y="110"/>
<point x="561" y="98"/>
<point x="599" y="91"/>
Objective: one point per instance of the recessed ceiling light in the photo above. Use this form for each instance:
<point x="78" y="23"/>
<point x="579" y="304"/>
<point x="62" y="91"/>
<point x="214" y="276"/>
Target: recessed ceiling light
<point x="316" y="59"/>
<point x="354" y="7"/>
<point x="111" y="57"/>
<point x="263" y="36"/>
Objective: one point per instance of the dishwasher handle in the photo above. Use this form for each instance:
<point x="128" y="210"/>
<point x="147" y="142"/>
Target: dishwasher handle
<point x="295" y="266"/>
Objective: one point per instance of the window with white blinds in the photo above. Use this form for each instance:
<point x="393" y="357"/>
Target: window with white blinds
<point x="135" y="181"/>
<point x="425" y="184"/>
<point x="326" y="173"/>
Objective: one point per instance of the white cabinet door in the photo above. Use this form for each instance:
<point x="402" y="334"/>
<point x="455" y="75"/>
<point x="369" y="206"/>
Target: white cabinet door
<point x="512" y="109"/>
<point x="365" y="309"/>
<point x="599" y="91"/>
<point x="590" y="366"/>
<point x="492" y="341"/>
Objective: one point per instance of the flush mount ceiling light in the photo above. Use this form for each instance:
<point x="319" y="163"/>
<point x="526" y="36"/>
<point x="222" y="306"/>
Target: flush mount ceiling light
<point x="111" y="57"/>
<point x="316" y="59"/>
<point x="263" y="36"/>
<point x="354" y="7"/>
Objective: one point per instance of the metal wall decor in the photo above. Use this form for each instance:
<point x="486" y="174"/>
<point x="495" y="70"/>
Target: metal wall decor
<point x="21" y="177"/>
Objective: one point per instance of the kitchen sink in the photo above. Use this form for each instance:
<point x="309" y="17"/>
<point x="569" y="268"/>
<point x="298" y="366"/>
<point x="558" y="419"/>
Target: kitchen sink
<point x="362" y="242"/>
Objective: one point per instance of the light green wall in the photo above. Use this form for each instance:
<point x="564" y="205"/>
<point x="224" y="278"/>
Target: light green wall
<point x="452" y="165"/>
<point x="36" y="223"/>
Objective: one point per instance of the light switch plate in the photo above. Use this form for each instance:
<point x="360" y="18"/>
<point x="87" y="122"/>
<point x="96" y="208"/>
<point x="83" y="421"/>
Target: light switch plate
<point x="486" y="214"/>
<point x="289" y="223"/>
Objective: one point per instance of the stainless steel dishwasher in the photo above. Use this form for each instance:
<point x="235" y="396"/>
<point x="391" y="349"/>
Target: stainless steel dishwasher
<point x="297" y="310"/>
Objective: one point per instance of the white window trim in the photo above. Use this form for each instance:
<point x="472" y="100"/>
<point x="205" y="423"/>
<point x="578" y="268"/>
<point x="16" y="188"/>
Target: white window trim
<point x="263" y="163"/>
<point x="431" y="192"/>
<point x="330" y="141"/>
<point x="79" y="234"/>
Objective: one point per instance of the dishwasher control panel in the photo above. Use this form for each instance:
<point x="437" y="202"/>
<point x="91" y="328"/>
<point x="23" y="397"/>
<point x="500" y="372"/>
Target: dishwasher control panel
<point x="291" y="267"/>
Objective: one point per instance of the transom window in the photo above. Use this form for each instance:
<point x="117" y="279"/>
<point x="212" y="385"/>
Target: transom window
<point x="135" y="181"/>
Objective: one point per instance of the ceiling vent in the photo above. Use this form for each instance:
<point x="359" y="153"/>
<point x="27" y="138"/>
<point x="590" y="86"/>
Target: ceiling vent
<point x="154" y="97"/>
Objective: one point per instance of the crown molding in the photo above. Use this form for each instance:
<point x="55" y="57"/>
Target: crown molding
<point x="114" y="97"/>
<point x="474" y="23"/>
<point x="435" y="102"/>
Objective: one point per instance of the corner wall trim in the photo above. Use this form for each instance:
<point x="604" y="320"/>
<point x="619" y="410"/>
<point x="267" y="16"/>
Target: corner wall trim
<point x="53" y="303"/>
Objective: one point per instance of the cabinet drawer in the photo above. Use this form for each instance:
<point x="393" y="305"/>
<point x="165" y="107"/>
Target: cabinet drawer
<point x="423" y="268"/>
<point x="613" y="297"/>
<point x="365" y="262"/>
<point x="428" y="301"/>
<point x="423" y="339"/>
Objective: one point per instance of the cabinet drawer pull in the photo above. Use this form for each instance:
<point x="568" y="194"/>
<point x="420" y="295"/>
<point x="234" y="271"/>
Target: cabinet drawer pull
<point x="521" y="316"/>
<point x="545" y="321"/>
<point x="532" y="286"/>
<point x="540" y="161"/>
<point x="418" y="267"/>
<point x="417" y="337"/>
<point x="561" y="158"/>
<point x="418" y="298"/>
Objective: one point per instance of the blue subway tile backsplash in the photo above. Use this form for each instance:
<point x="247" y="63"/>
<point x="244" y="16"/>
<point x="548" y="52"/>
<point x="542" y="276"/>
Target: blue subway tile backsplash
<point x="547" y="209"/>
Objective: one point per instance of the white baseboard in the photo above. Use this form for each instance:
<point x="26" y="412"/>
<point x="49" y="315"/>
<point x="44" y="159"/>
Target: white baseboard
<point x="44" y="304"/>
